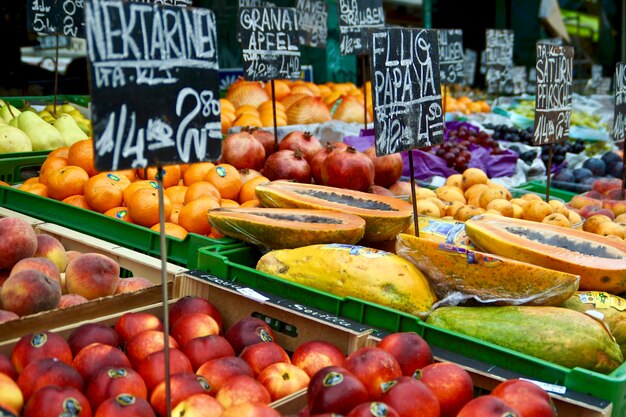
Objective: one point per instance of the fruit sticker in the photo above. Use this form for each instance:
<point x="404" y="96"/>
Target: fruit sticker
<point x="386" y="386"/>
<point x="602" y="300"/>
<point x="204" y="383"/>
<point x="221" y="171"/>
<point x="113" y="177"/>
<point x="38" y="340"/>
<point x="125" y="400"/>
<point x="116" y="373"/>
<point x="71" y="408"/>
<point x="332" y="378"/>
<point x="265" y="336"/>
<point x="358" y="250"/>
<point x="121" y="214"/>
<point x="378" y="409"/>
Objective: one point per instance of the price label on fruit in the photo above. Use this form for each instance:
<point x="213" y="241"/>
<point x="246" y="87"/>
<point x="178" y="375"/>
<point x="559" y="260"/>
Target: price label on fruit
<point x="451" y="56"/>
<point x="498" y="57"/>
<point x="312" y="19"/>
<point x="405" y="89"/>
<point x="619" y="129"/>
<point x="356" y="17"/>
<point x="553" y="105"/>
<point x="155" y="94"/>
<point x="269" y="42"/>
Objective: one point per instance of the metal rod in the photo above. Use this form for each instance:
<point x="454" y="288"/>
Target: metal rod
<point x="364" y="77"/>
<point x="56" y="74"/>
<point x="413" y="200"/>
<point x="274" y="115"/>
<point x="549" y="169"/>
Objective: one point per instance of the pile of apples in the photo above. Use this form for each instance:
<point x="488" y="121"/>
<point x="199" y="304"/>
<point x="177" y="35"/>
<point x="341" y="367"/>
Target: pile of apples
<point x="38" y="274"/>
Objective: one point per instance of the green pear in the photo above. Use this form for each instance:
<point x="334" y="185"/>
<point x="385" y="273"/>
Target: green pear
<point x="8" y="115"/>
<point x="13" y="140"/>
<point x="42" y="135"/>
<point x="69" y="129"/>
<point x="85" y="126"/>
<point x="13" y="122"/>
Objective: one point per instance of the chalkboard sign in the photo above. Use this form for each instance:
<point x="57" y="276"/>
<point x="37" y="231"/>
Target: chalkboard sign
<point x="65" y="17"/>
<point x="531" y="88"/>
<point x="269" y="42"/>
<point x="312" y="20"/>
<point x="180" y="3"/>
<point x="154" y="91"/>
<point x="451" y="56"/>
<point x="553" y="104"/>
<point x="470" y="57"/>
<point x="255" y="3"/>
<point x="42" y="16"/>
<point x="406" y="90"/>
<point x="51" y="42"/>
<point x="356" y="17"/>
<point x="519" y="77"/>
<point x="498" y="57"/>
<point x="619" y="127"/>
<point x="72" y="18"/>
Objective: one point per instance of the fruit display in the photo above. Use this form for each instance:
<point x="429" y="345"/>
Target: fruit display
<point x="465" y="105"/>
<point x="526" y="108"/>
<point x="608" y="165"/>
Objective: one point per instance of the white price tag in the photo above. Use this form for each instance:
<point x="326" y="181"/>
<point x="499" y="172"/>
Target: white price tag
<point x="557" y="389"/>
<point x="250" y="293"/>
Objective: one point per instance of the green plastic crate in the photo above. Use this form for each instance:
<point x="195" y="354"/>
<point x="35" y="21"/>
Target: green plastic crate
<point x="132" y="236"/>
<point x="236" y="263"/>
<point x="20" y="101"/>
<point x="15" y="169"/>
<point x="540" y="187"/>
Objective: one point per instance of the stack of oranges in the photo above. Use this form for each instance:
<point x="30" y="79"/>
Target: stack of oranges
<point x="190" y="190"/>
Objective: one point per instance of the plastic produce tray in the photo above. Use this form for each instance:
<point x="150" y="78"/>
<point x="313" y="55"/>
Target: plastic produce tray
<point x="14" y="168"/>
<point x="540" y="188"/>
<point x="19" y="101"/>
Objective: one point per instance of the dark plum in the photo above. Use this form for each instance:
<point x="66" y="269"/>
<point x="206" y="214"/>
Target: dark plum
<point x="616" y="169"/>
<point x="565" y="175"/>
<point x="611" y="158"/>
<point x="596" y="166"/>
<point x="582" y="173"/>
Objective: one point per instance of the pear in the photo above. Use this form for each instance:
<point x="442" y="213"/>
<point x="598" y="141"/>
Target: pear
<point x="8" y="115"/>
<point x="85" y="126"/>
<point x="13" y="122"/>
<point x="67" y="108"/>
<point x="13" y="140"/>
<point x="69" y="129"/>
<point x="2" y="103"/>
<point x="42" y="135"/>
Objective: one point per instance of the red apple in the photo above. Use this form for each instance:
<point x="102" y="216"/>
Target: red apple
<point x="132" y="284"/>
<point x="262" y="355"/>
<point x="48" y="371"/>
<point x="109" y="382"/>
<point x="125" y="405"/>
<point x="89" y="333"/>
<point x="525" y="397"/>
<point x="69" y="300"/>
<point x="145" y="343"/>
<point x="131" y="324"/>
<point x="487" y="406"/>
<point x="198" y="405"/>
<point x="242" y="389"/>
<point x="193" y="325"/>
<point x="35" y="346"/>
<point x="43" y="265"/>
<point x="182" y="385"/>
<point x="423" y="402"/>
<point x="248" y="331"/>
<point x="374" y="367"/>
<point x="205" y="348"/>
<point x="53" y="401"/>
<point x="6" y="367"/>
<point x="92" y="275"/>
<point x="10" y="395"/>
<point x="98" y="355"/>
<point x="218" y="371"/>
<point x="8" y="316"/>
<point x="152" y="367"/>
<point x="192" y="304"/>
<point x="410" y="350"/>
<point x="282" y="379"/>
<point x="49" y="247"/>
<point x="314" y="355"/>
<point x="373" y="409"/>
<point x="18" y="241"/>
<point x="335" y="390"/>
<point x="251" y="410"/>
<point x="451" y="384"/>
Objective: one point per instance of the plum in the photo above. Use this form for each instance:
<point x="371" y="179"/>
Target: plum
<point x="582" y="173"/>
<point x="564" y="175"/>
<point x="616" y="169"/>
<point x="596" y="166"/>
<point x="611" y="158"/>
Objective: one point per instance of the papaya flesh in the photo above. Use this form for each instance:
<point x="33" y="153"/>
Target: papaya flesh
<point x="458" y="274"/>
<point x="354" y="271"/>
<point x="286" y="228"/>
<point x="600" y="262"/>
<point x="558" y="335"/>
<point x="384" y="216"/>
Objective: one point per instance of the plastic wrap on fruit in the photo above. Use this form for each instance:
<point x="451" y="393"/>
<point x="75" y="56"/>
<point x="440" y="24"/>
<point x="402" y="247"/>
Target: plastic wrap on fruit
<point x="461" y="275"/>
<point x="442" y="231"/>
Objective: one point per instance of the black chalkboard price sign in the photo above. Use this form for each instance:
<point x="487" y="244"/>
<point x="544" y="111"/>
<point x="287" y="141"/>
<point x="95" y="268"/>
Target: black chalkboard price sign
<point x="180" y="3"/>
<point x="451" y="56"/>
<point x="498" y="57"/>
<point x="63" y="17"/>
<point x="312" y="19"/>
<point x="356" y="17"/>
<point x="269" y="42"/>
<point x="406" y="90"/>
<point x="553" y="104"/>
<point x="154" y="91"/>
<point x="41" y="16"/>
<point x="72" y="18"/>
<point x="619" y="127"/>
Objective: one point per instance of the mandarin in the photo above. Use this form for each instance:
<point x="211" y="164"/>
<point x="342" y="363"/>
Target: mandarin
<point x="66" y="181"/>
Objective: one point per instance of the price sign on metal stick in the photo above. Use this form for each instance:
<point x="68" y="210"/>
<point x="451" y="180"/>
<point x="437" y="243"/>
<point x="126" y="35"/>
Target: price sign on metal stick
<point x="356" y="17"/>
<point x="451" y="56"/>
<point x="41" y="16"/>
<point x="313" y="22"/>
<point x="498" y="57"/>
<point x="406" y="93"/>
<point x="619" y="128"/>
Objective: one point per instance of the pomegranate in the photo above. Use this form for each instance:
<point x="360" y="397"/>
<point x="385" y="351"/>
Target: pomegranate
<point x="401" y="188"/>
<point x="265" y="137"/>
<point x="287" y="165"/>
<point x="242" y="150"/>
<point x="318" y="160"/>
<point x="377" y="189"/>
<point x="387" y="168"/>
<point x="248" y="174"/>
<point x="348" y="169"/>
<point x="305" y="141"/>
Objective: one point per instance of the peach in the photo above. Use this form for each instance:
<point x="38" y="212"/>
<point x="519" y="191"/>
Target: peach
<point x="110" y="382"/>
<point x="262" y="355"/>
<point x="282" y="379"/>
<point x="145" y="343"/>
<point x="314" y="355"/>
<point x="182" y="385"/>
<point x="409" y="349"/>
<point x="4" y="275"/>
<point x="69" y="300"/>
<point x="250" y="410"/>
<point x="89" y="333"/>
<point x="132" y="284"/>
<point x="152" y="367"/>
<point x="592" y="223"/>
<point x="7" y="316"/>
<point x="373" y="367"/>
<point x="43" y="265"/>
<point x="18" y="241"/>
<point x="580" y="201"/>
<point x="241" y="389"/>
<point x="35" y="346"/>
<point x="48" y="371"/>
<point x="53" y="401"/>
<point x="613" y="194"/>
<point x="205" y="348"/>
<point x="219" y="370"/>
<point x="72" y="254"/>
<point x="10" y="394"/>
<point x="125" y="405"/>
<point x="556" y="219"/>
<point x="616" y="206"/>
<point x="92" y="358"/>
<point x="589" y="211"/>
<point x="604" y="185"/>
<point x="131" y="324"/>
<point x="193" y="304"/>
<point x="193" y="325"/>
<point x="198" y="405"/>
<point x="92" y="275"/>
<point x="537" y="210"/>
<point x="51" y="248"/>
<point x="29" y="292"/>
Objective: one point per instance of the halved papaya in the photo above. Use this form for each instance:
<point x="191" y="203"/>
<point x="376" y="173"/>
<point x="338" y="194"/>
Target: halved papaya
<point x="600" y="262"/>
<point x="384" y="216"/>
<point x="286" y="228"/>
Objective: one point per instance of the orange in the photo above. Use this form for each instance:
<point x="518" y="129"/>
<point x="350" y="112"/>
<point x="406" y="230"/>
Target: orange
<point x="200" y="189"/>
<point x="32" y="180"/>
<point x="248" y="120"/>
<point x="49" y="165"/>
<point x="4" y="184"/>
<point x="176" y="194"/>
<point x="281" y="89"/>
<point x="226" y="179"/>
<point x="120" y="213"/>
<point x="175" y="212"/>
<point x="193" y="215"/>
<point x="104" y="191"/>
<point x="247" y="191"/>
<point x="267" y="120"/>
<point x="215" y="234"/>
<point x="66" y="181"/>
<point x="183" y="168"/>
<point x="229" y="203"/>
<point x="61" y="152"/>
<point x="81" y="154"/>
<point x="227" y="105"/>
<point x="171" y="229"/>
<point x="196" y="172"/>
<point x="269" y="107"/>
<point x="251" y="203"/>
<point x="77" y="200"/>
<point x="137" y="185"/>
<point x="171" y="174"/>
<point x="246" y="109"/>
<point x="143" y="207"/>
<point x="128" y="173"/>
<point x="35" y="188"/>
